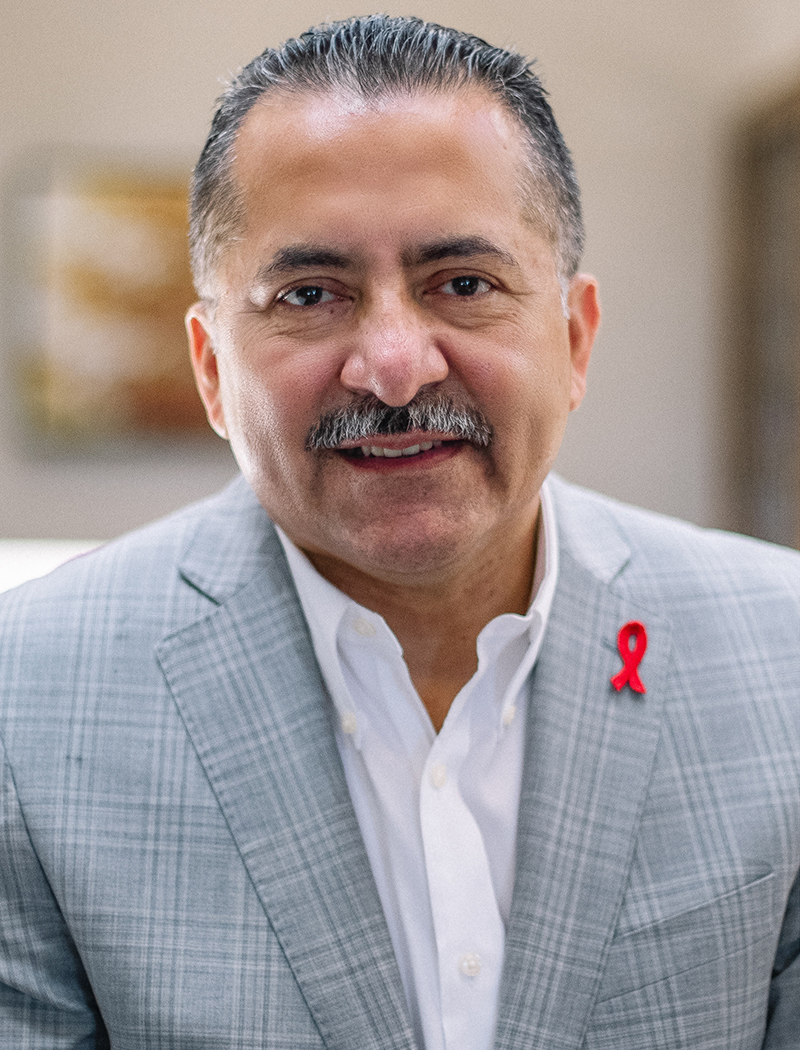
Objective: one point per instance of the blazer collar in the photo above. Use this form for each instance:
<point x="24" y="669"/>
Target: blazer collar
<point x="249" y="690"/>
<point x="232" y="539"/>
<point x="588" y="530"/>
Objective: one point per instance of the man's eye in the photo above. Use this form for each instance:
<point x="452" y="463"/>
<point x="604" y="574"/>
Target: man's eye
<point x="308" y="295"/>
<point x="466" y="286"/>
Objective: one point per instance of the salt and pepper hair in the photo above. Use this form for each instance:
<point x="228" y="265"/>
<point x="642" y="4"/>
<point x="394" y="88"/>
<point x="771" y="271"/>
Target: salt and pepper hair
<point x="375" y="57"/>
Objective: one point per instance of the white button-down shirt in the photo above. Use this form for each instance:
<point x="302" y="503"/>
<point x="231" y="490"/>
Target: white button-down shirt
<point x="438" y="813"/>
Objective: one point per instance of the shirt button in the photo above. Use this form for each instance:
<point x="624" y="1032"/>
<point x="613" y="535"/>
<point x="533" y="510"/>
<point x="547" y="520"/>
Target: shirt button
<point x="349" y="722"/>
<point x="470" y="964"/>
<point x="364" y="627"/>
<point x="439" y="775"/>
<point x="508" y="715"/>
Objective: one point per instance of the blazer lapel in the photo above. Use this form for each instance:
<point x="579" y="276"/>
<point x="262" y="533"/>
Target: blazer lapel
<point x="251" y="696"/>
<point x="589" y="758"/>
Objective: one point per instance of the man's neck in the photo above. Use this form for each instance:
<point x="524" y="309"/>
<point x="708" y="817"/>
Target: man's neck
<point x="438" y="624"/>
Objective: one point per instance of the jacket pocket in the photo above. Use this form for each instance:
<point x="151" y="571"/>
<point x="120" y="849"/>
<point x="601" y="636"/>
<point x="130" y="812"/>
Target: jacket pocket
<point x="695" y="981"/>
<point x="723" y="927"/>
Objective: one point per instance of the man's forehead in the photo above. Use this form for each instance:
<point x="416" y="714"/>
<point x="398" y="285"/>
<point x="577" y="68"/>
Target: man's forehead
<point x="318" y="126"/>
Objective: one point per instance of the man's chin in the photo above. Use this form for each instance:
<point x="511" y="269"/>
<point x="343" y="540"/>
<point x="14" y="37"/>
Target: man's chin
<point x="407" y="552"/>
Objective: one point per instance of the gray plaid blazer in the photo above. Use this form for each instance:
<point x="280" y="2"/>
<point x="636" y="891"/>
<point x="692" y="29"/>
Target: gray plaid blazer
<point x="181" y="867"/>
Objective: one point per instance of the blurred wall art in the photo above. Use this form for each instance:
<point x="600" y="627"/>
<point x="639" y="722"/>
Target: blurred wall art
<point x="101" y="282"/>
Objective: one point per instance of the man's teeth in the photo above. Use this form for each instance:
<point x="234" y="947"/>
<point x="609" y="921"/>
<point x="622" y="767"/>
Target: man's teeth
<point x="394" y="453"/>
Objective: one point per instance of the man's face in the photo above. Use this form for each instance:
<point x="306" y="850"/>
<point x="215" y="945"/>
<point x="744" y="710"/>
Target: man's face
<point x="386" y="254"/>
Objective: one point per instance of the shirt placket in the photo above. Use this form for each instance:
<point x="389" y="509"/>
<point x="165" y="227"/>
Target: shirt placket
<point x="468" y="928"/>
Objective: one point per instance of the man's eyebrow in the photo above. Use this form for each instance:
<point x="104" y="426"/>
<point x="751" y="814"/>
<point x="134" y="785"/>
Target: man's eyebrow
<point x="457" y="248"/>
<point x="300" y="257"/>
<point x="308" y="256"/>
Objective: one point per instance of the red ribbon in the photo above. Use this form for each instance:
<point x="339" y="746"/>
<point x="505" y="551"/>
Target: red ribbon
<point x="631" y="658"/>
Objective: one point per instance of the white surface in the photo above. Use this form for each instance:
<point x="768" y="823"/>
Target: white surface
<point x="22" y="560"/>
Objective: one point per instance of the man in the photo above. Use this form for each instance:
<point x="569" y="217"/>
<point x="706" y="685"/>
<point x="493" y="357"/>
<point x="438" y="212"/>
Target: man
<point x="396" y="743"/>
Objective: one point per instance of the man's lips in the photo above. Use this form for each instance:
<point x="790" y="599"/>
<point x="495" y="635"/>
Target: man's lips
<point x="394" y="446"/>
<point x="397" y="446"/>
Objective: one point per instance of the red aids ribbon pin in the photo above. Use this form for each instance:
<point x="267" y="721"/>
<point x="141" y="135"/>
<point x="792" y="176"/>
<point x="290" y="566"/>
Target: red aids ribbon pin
<point x="631" y="658"/>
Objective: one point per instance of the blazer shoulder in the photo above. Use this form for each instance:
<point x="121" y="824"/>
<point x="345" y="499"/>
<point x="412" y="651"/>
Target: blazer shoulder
<point x="646" y="550"/>
<point x="138" y="577"/>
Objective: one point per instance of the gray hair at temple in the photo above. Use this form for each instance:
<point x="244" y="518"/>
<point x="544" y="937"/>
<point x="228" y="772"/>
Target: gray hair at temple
<point x="374" y="57"/>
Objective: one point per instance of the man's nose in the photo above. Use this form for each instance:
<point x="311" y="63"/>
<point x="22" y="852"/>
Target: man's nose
<point x="394" y="354"/>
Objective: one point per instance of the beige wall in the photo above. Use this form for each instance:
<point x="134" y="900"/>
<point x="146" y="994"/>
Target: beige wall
<point x="647" y="94"/>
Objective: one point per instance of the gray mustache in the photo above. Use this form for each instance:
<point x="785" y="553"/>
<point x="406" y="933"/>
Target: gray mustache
<point x="369" y="417"/>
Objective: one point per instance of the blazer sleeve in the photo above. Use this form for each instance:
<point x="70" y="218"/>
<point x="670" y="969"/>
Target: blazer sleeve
<point x="783" y="1027"/>
<point x="45" y="998"/>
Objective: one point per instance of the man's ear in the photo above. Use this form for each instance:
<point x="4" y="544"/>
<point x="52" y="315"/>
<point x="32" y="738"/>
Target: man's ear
<point x="204" y="363"/>
<point x="583" y="303"/>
